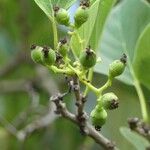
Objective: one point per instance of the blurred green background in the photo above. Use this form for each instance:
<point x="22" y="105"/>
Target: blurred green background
<point x="25" y="88"/>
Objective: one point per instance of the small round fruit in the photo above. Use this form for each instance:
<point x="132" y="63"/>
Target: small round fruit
<point x="81" y="16"/>
<point x="62" y="16"/>
<point x="63" y="48"/>
<point x="98" y="117"/>
<point x="117" y="67"/>
<point x="109" y="101"/>
<point x="36" y="54"/>
<point x="87" y="58"/>
<point x="48" y="56"/>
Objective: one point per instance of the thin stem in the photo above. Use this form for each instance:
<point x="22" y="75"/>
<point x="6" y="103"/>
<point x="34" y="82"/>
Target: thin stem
<point x="54" y="26"/>
<point x="144" y="109"/>
<point x="142" y="99"/>
<point x="138" y="88"/>
<point x="105" y="86"/>
<point x="79" y="38"/>
<point x="57" y="70"/>
<point x="91" y="87"/>
<point x="90" y="76"/>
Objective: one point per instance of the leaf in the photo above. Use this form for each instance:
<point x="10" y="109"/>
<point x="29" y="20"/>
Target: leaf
<point x="123" y="28"/>
<point x="142" y="57"/>
<point x="98" y="14"/>
<point x="103" y="12"/>
<point x="47" y="5"/>
<point x="139" y="142"/>
<point x="64" y="4"/>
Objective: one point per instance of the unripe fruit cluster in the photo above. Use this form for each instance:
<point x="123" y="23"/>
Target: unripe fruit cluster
<point x="80" y="17"/>
<point x="61" y="62"/>
<point x="43" y="55"/>
<point x="98" y="115"/>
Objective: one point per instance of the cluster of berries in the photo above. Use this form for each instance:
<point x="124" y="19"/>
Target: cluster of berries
<point x="59" y="58"/>
<point x="108" y="101"/>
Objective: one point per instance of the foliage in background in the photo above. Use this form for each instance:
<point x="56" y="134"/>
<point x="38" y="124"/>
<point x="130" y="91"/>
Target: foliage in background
<point x="131" y="17"/>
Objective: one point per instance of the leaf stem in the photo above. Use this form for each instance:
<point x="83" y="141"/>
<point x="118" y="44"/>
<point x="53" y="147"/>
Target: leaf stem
<point x="144" y="109"/>
<point x="105" y="86"/>
<point x="58" y="70"/>
<point x="90" y="76"/>
<point x="54" y="26"/>
<point x="142" y="99"/>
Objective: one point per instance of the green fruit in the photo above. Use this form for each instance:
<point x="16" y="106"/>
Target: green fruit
<point x="87" y="58"/>
<point x="48" y="56"/>
<point x="98" y="117"/>
<point x="81" y="16"/>
<point x="36" y="54"/>
<point x="63" y="48"/>
<point x="62" y="16"/>
<point x="117" y="67"/>
<point x="109" y="101"/>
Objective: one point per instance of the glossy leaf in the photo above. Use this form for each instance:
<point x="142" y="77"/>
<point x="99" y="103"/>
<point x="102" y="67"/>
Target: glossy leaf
<point x="47" y="5"/>
<point x="142" y="58"/>
<point x="103" y="12"/>
<point x="123" y="28"/>
<point x="139" y="142"/>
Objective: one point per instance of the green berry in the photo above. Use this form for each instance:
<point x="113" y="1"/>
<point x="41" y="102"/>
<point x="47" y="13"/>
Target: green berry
<point x="98" y="117"/>
<point x="62" y="16"/>
<point x="87" y="58"/>
<point x="48" y="56"/>
<point x="81" y="16"/>
<point x="63" y="47"/>
<point x="36" y="54"/>
<point x="109" y="101"/>
<point x="117" y="67"/>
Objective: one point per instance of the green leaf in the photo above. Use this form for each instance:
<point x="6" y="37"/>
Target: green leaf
<point x="103" y="12"/>
<point x="142" y="57"/>
<point x="91" y="31"/>
<point x="47" y="5"/>
<point x="139" y="142"/>
<point x="123" y="28"/>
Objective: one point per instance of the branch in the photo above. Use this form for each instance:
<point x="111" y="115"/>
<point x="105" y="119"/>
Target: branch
<point x="139" y="127"/>
<point x="89" y="129"/>
<point x="40" y="123"/>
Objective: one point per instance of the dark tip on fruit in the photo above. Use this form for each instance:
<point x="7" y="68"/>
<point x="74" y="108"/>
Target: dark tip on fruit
<point x="85" y="3"/>
<point x="63" y="41"/>
<point x="114" y="104"/>
<point x="88" y="50"/>
<point x="97" y="128"/>
<point x="58" y="57"/>
<point x="33" y="46"/>
<point x="56" y="9"/>
<point x="133" y="122"/>
<point x="123" y="58"/>
<point x="45" y="50"/>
